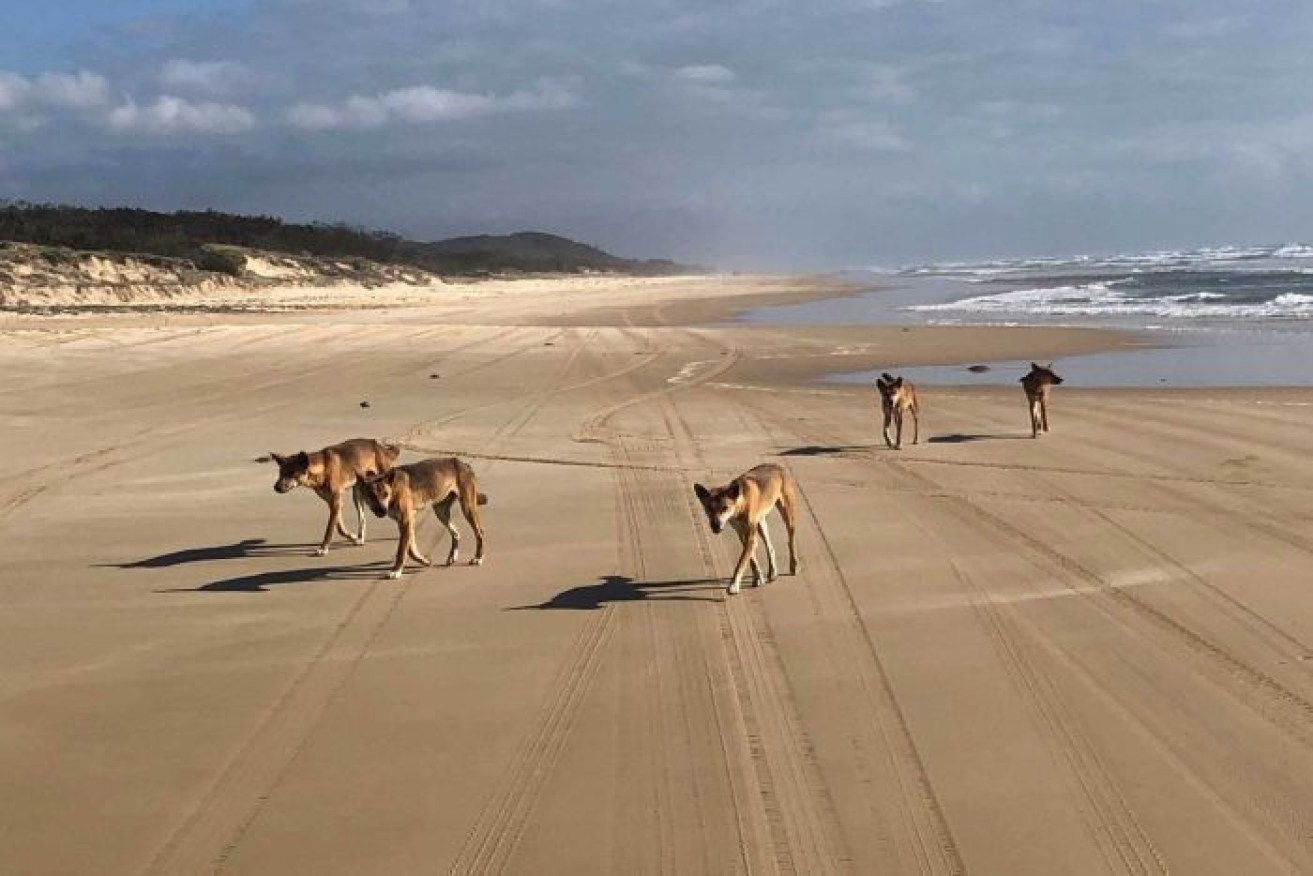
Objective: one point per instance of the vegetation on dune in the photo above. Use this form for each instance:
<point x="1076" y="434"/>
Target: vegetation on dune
<point x="207" y="238"/>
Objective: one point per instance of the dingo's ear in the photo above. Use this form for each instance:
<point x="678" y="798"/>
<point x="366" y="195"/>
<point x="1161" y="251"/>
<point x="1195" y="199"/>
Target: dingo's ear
<point x="702" y="493"/>
<point x="887" y="377"/>
<point x="278" y="458"/>
<point x="1035" y="366"/>
<point x="733" y="491"/>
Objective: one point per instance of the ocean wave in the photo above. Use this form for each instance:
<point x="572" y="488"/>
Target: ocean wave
<point x="1160" y="259"/>
<point x="1293" y="251"/>
<point x="1114" y="299"/>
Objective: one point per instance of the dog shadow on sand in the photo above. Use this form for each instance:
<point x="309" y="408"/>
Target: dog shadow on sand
<point x="259" y="582"/>
<point x="246" y="548"/>
<point x="828" y="449"/>
<point x="968" y="437"/>
<point x="621" y="588"/>
<point x="847" y="449"/>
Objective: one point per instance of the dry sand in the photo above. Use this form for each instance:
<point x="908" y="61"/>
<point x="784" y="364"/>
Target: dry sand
<point x="1088" y="653"/>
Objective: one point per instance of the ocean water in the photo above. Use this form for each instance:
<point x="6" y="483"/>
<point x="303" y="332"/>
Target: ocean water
<point x="1241" y="286"/>
<point x="1223" y="316"/>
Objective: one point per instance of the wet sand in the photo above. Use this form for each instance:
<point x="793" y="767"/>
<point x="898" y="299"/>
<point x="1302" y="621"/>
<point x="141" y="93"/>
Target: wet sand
<point x="1091" y="652"/>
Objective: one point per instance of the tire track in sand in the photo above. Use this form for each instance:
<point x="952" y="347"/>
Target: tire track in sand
<point x="213" y="827"/>
<point x="1248" y="684"/>
<point x="804" y="828"/>
<point x="1110" y="820"/>
<point x="776" y="790"/>
<point x="1284" y="709"/>
<point x="771" y="787"/>
<point x="500" y="826"/>
<point x="883" y="747"/>
<point x="1109" y="817"/>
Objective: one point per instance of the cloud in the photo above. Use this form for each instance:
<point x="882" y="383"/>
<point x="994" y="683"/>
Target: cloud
<point x="80" y="90"/>
<point x="705" y="74"/>
<point x="174" y="115"/>
<point x="13" y="90"/>
<point x="709" y="82"/>
<point x="42" y="102"/>
<point x="852" y="131"/>
<point x="423" y="104"/>
<point x="212" y="77"/>
<point x="886" y="83"/>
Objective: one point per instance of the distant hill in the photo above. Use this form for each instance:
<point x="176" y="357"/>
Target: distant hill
<point x="198" y="237"/>
<point x="530" y="251"/>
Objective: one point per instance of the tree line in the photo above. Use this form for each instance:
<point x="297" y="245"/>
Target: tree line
<point x="197" y="236"/>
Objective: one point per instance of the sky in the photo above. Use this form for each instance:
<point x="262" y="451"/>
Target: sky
<point x="736" y="133"/>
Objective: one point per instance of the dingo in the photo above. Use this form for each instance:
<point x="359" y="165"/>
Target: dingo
<point x="330" y="471"/>
<point x="898" y="397"/>
<point x="744" y="504"/>
<point x="1037" y="384"/>
<point x="401" y="492"/>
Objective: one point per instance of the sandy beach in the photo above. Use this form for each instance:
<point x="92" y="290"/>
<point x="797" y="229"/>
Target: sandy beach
<point x="1087" y="653"/>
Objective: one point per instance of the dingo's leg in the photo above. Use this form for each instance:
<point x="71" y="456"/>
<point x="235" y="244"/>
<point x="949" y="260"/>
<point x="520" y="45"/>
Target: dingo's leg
<point x="404" y="535"/>
<point x="413" y="550"/>
<point x="748" y="534"/>
<point x="788" y="507"/>
<point x="334" y="501"/>
<point x="443" y="511"/>
<point x="406" y="547"/>
<point x="339" y="524"/>
<point x="358" y="493"/>
<point x="770" y="552"/>
<point x="469" y="506"/>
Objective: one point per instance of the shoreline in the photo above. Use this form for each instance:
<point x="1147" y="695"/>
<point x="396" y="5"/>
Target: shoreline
<point x="704" y="301"/>
<point x="1205" y="352"/>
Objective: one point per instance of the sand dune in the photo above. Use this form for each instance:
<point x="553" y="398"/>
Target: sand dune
<point x="1092" y="652"/>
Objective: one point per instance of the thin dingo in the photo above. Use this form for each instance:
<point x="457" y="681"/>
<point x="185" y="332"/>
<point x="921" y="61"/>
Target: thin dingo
<point x="406" y="489"/>
<point x="744" y="504"/>
<point x="330" y="471"/>
<point x="898" y="397"/>
<point x="1037" y="384"/>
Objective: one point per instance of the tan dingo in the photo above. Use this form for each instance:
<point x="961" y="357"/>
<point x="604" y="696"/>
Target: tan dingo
<point x="898" y="397"/>
<point x="1037" y="384"/>
<point x="744" y="504"/>
<point x="438" y="482"/>
<point x="329" y="472"/>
